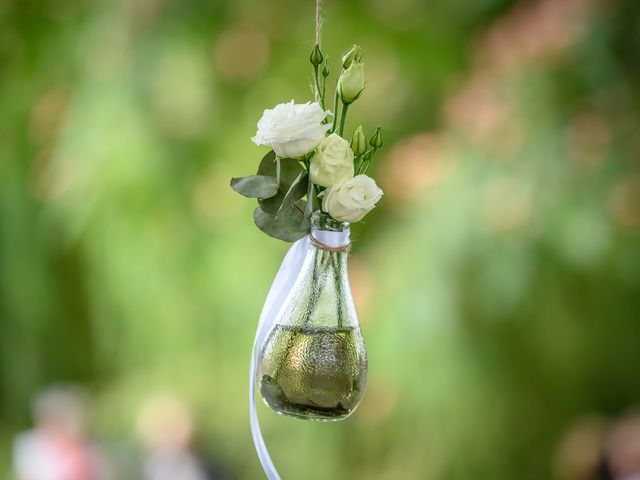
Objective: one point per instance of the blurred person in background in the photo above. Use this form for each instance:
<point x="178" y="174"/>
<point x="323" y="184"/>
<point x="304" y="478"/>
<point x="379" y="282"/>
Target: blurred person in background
<point x="622" y="448"/>
<point x="596" y="449"/>
<point x="166" y="430"/>
<point x="58" y="447"/>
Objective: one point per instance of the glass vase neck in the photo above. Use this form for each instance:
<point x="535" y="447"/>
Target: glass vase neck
<point x="324" y="221"/>
<point x="328" y="231"/>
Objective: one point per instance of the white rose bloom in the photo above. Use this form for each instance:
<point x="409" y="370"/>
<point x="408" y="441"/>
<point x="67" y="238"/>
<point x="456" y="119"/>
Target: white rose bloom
<point x="292" y="130"/>
<point x="352" y="200"/>
<point x="332" y="162"/>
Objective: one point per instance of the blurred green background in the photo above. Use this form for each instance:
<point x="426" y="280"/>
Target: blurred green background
<point x="498" y="281"/>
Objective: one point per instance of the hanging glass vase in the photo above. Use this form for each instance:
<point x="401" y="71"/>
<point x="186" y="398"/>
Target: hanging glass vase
<point x="313" y="363"/>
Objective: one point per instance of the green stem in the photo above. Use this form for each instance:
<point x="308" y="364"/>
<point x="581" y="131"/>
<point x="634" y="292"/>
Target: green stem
<point x="336" y="113"/>
<point x="318" y="258"/>
<point x="357" y="164"/>
<point x="319" y="96"/>
<point x="312" y="200"/>
<point x="290" y="343"/>
<point x="337" y="264"/>
<point x="365" y="161"/>
<point x="343" y="117"/>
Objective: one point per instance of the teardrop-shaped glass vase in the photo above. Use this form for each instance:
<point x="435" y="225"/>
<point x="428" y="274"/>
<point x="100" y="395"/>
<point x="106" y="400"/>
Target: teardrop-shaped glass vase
<point x="313" y="363"/>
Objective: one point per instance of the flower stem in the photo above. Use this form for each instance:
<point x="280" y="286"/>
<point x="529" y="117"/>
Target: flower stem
<point x="345" y="107"/>
<point x="357" y="164"/>
<point x="337" y="259"/>
<point x="336" y="113"/>
<point x="319" y="95"/>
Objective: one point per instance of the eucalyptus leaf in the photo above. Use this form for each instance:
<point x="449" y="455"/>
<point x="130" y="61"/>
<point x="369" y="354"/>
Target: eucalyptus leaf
<point x="301" y="205"/>
<point x="306" y="219"/>
<point x="267" y="163"/>
<point x="255" y="186"/>
<point x="296" y="191"/>
<point x="313" y="203"/>
<point x="290" y="169"/>
<point x="289" y="228"/>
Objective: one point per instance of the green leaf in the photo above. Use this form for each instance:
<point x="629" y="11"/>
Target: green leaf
<point x="313" y="203"/>
<point x="255" y="186"/>
<point x="267" y="164"/>
<point x="290" y="169"/>
<point x="296" y="191"/>
<point x="301" y="205"/>
<point x="289" y="228"/>
<point x="281" y="216"/>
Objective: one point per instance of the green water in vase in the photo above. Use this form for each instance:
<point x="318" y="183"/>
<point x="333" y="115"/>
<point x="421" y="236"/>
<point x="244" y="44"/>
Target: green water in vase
<point x="314" y="373"/>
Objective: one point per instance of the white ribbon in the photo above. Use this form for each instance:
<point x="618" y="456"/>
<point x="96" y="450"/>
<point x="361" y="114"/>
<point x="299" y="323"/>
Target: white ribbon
<point x="285" y="279"/>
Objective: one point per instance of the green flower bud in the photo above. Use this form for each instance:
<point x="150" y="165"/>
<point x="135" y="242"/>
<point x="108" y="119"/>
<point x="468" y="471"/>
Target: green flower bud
<point x="376" y="139"/>
<point x="325" y="70"/>
<point x="351" y="82"/>
<point x="359" y="142"/>
<point x="316" y="57"/>
<point x="355" y="54"/>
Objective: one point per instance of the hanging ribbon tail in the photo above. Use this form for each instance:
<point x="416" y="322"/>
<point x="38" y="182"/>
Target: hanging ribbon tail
<point x="282" y="284"/>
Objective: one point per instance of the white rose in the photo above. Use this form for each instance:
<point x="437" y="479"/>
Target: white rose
<point x="292" y="130"/>
<point x="351" y="200"/>
<point x="332" y="162"/>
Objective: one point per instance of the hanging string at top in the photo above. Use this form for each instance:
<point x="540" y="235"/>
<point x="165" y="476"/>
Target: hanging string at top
<point x="318" y="20"/>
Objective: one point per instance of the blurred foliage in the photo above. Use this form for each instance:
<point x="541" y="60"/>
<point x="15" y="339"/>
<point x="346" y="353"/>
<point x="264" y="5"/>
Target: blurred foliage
<point x="498" y="282"/>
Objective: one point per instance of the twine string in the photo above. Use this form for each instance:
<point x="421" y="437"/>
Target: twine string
<point x="323" y="246"/>
<point x="318" y="21"/>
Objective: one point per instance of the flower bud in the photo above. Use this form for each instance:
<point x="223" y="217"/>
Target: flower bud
<point x="355" y="54"/>
<point x="376" y="139"/>
<point x="359" y="142"/>
<point x="351" y="82"/>
<point x="325" y="70"/>
<point x="316" y="57"/>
